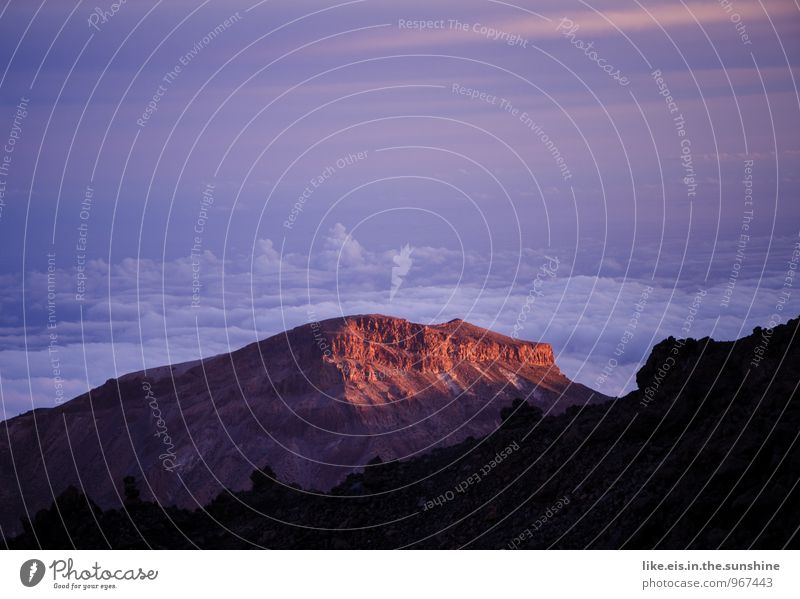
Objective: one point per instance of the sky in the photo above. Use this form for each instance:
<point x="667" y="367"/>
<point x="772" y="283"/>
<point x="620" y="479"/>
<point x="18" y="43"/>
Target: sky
<point x="181" y="178"/>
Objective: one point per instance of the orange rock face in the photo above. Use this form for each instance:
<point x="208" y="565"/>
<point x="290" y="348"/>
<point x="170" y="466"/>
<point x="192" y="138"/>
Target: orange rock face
<point x="402" y="346"/>
<point x="313" y="403"/>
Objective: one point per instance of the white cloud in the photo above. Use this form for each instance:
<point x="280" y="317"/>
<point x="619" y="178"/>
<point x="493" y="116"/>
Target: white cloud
<point x="349" y="252"/>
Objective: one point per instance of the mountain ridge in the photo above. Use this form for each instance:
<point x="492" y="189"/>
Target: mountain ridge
<point x="711" y="462"/>
<point x="317" y="402"/>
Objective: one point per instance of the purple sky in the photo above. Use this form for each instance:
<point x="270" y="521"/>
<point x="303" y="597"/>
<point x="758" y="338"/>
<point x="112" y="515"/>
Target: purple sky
<point x="313" y="140"/>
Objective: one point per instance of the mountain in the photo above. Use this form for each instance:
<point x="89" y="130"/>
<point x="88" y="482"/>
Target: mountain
<point x="703" y="455"/>
<point x="316" y="403"/>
